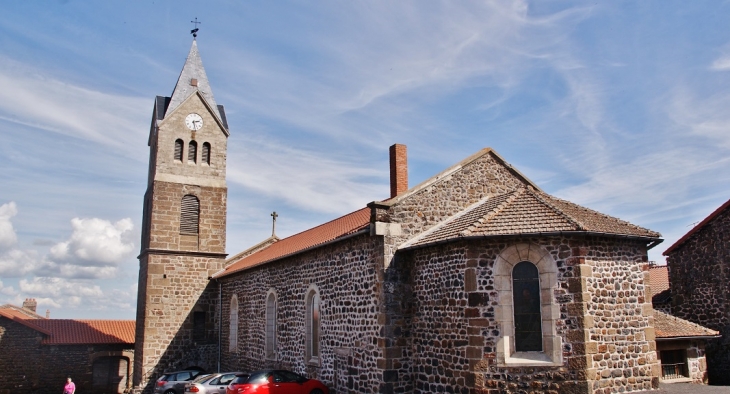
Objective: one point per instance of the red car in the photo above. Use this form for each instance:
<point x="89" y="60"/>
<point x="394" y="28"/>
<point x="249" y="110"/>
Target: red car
<point x="274" y="381"/>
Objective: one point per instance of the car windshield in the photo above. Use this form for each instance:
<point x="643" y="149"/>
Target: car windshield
<point x="202" y="378"/>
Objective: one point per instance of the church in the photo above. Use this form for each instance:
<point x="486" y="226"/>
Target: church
<point x="474" y="281"/>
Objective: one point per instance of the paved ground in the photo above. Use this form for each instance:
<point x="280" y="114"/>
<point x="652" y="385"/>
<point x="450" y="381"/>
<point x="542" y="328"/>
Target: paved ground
<point x="688" y="388"/>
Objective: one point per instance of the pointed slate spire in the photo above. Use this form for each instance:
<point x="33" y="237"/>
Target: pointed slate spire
<point x="192" y="78"/>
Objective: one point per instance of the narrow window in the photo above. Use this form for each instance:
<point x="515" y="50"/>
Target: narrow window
<point x="206" y="153"/>
<point x="189" y="214"/>
<point x="192" y="152"/>
<point x="178" y="149"/>
<point x="198" y="326"/>
<point x="271" y="325"/>
<point x="526" y="300"/>
<point x="313" y="325"/>
<point x="233" y="325"/>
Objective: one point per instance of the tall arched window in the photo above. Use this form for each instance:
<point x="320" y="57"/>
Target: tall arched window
<point x="526" y="301"/>
<point x="271" y="325"/>
<point x="205" y="154"/>
<point x="192" y="152"/>
<point x="233" y="325"/>
<point x="313" y="315"/>
<point x="189" y="214"/>
<point x="178" y="149"/>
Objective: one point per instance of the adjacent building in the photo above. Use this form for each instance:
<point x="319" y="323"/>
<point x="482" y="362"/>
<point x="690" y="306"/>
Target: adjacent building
<point x="37" y="354"/>
<point x="699" y="274"/>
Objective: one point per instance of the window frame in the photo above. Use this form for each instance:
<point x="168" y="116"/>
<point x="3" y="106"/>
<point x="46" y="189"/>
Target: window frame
<point x="270" y="325"/>
<point x="179" y="149"/>
<point x="551" y="354"/>
<point x="189" y="214"/>
<point x="233" y="324"/>
<point x="313" y="329"/>
<point x="192" y="152"/>
<point x="205" y="153"/>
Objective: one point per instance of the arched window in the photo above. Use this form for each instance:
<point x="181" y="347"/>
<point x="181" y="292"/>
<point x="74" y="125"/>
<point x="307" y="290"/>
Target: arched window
<point x="313" y="315"/>
<point x="525" y="277"/>
<point x="526" y="301"/>
<point x="178" y="149"/>
<point x="189" y="214"/>
<point x="205" y="159"/>
<point x="233" y="325"/>
<point x="192" y="152"/>
<point x="271" y="325"/>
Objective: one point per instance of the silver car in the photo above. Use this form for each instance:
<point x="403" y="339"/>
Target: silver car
<point x="174" y="382"/>
<point x="210" y="384"/>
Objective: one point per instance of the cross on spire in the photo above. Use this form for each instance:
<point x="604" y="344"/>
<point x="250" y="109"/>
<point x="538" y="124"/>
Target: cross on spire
<point x="274" y="215"/>
<point x="195" y="23"/>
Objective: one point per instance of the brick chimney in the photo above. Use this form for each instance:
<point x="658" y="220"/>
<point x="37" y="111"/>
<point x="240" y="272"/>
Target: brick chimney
<point x="398" y="170"/>
<point x="30" y="304"/>
<point x="48" y="313"/>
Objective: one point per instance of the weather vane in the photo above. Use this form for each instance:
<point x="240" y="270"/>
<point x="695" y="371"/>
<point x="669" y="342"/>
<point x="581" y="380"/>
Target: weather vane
<point x="194" y="32"/>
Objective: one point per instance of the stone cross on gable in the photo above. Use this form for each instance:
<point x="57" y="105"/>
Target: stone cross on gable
<point x="274" y="215"/>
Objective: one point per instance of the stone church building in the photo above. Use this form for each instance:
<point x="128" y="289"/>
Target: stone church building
<point x="474" y="281"/>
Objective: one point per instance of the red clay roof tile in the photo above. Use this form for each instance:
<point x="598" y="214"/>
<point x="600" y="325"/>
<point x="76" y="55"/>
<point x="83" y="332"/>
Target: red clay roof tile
<point x="340" y="227"/>
<point x="668" y="327"/>
<point x="71" y="332"/>
<point x="697" y="228"/>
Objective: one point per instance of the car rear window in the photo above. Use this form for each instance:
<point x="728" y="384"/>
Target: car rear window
<point x="241" y="379"/>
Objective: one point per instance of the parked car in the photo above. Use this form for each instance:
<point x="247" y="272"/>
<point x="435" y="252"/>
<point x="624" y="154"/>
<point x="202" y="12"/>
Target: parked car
<point x="275" y="381"/>
<point x="174" y="382"/>
<point x="214" y="383"/>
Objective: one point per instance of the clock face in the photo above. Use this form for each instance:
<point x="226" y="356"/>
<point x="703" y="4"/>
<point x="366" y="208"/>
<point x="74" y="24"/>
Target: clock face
<point x="194" y="122"/>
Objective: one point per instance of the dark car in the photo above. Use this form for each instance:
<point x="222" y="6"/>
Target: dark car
<point x="275" y="381"/>
<point x="214" y="383"/>
<point x="174" y="382"/>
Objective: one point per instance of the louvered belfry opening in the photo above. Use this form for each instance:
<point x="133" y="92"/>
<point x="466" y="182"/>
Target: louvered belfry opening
<point x="192" y="152"/>
<point x="189" y="214"/>
<point x="206" y="153"/>
<point x="178" y="149"/>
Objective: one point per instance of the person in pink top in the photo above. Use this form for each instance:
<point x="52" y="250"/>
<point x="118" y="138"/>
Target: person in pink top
<point x="70" y="387"/>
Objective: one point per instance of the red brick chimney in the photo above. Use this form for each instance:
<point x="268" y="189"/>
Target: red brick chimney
<point x="30" y="304"/>
<point x="398" y="170"/>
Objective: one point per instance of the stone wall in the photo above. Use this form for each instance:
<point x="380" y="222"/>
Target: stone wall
<point x="30" y="367"/>
<point x="449" y="330"/>
<point x="346" y="275"/>
<point x="700" y="281"/>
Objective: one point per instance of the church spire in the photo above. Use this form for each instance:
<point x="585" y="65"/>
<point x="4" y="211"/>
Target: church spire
<point x="192" y="78"/>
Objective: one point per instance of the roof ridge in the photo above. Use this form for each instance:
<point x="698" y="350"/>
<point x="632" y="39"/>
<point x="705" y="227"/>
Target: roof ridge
<point x="571" y="220"/>
<point x="494" y="212"/>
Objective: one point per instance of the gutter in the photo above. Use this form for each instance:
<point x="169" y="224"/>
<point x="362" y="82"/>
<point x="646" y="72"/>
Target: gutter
<point x="690" y="337"/>
<point x="651" y="241"/>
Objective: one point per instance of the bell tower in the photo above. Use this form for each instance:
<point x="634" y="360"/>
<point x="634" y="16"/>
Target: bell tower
<point x="183" y="229"/>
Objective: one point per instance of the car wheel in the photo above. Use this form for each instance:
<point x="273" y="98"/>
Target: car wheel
<point x="170" y="392"/>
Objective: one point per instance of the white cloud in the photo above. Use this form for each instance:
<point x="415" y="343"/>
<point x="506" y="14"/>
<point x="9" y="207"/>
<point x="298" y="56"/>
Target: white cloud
<point x="95" y="242"/>
<point x="7" y="234"/>
<point x="57" y="293"/>
<point x="721" y="64"/>
<point x="38" y="100"/>
<point x="16" y="263"/>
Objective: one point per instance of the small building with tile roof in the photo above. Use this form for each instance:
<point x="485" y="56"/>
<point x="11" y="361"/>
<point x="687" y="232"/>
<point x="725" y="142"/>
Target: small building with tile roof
<point x="37" y="354"/>
<point x="474" y="280"/>
<point x="699" y="273"/>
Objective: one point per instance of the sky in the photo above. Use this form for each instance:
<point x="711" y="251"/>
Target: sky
<point x="620" y="106"/>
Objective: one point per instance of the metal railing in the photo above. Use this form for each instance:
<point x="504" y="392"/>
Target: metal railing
<point x="674" y="371"/>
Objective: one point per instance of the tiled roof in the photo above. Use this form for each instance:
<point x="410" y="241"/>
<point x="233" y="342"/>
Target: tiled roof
<point x="70" y="332"/>
<point x="19" y="317"/>
<point x="340" y="227"/>
<point x="658" y="278"/>
<point x="697" y="228"/>
<point x="528" y="211"/>
<point x="668" y="327"/>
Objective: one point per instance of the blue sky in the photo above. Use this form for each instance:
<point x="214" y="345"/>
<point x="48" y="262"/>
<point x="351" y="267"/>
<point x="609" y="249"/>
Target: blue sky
<point x="620" y="106"/>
